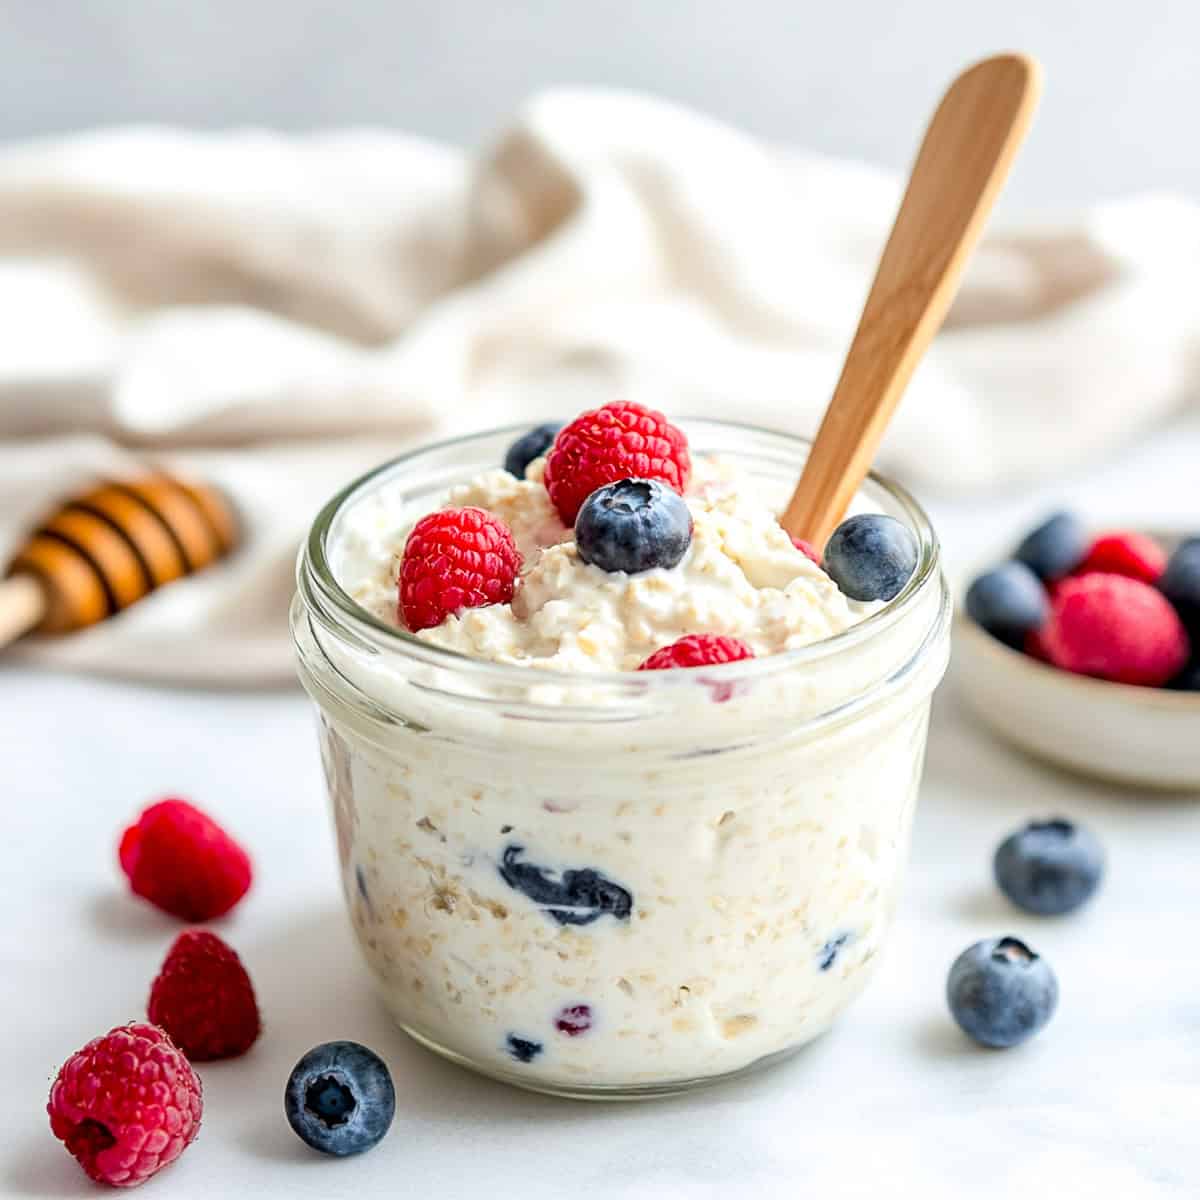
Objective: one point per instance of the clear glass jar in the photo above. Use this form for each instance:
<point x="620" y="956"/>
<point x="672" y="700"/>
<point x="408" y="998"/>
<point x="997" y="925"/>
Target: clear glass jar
<point x="619" y="885"/>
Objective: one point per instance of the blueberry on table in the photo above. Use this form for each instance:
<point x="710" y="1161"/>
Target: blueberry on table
<point x="1008" y="602"/>
<point x="633" y="525"/>
<point x="871" y="557"/>
<point x="1049" y="867"/>
<point x="340" y="1099"/>
<point x="1180" y="583"/>
<point x="1055" y="548"/>
<point x="529" y="446"/>
<point x="1000" y="992"/>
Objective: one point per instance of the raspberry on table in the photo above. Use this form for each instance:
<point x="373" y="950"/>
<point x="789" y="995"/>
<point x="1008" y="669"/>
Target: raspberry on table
<point x="204" y="999"/>
<point x="1115" y="628"/>
<point x="126" y="1105"/>
<point x="1133" y="554"/>
<point x="698" y="650"/>
<point x="618" y="441"/>
<point x="181" y="860"/>
<point x="456" y="558"/>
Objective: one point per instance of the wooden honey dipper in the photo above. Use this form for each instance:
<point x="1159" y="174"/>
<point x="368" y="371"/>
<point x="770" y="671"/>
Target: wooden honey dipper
<point x="110" y="546"/>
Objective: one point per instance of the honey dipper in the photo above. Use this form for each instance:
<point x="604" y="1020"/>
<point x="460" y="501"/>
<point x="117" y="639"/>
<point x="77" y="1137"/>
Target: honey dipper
<point x="110" y="546"/>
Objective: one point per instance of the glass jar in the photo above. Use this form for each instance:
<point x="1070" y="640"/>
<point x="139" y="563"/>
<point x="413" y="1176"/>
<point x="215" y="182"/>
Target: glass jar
<point x="619" y="885"/>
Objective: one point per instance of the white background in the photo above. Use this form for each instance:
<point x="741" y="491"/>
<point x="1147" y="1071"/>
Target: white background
<point x="850" y="77"/>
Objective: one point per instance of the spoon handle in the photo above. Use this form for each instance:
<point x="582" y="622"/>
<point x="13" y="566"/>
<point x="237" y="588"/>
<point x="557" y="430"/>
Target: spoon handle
<point x="961" y="166"/>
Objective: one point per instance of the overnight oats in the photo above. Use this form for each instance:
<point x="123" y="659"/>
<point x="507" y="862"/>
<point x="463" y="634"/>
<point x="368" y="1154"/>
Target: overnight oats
<point x="622" y="778"/>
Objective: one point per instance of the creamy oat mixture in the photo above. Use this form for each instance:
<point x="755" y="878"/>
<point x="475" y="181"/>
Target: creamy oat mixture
<point x="615" y="904"/>
<point x="741" y="576"/>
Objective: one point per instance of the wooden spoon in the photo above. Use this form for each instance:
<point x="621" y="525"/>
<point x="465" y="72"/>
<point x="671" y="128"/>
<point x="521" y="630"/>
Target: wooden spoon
<point x="961" y="166"/>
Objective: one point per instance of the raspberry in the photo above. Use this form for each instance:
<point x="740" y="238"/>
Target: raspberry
<point x="1132" y="554"/>
<point x="1115" y="628"/>
<point x="806" y="548"/>
<point x="574" y="1020"/>
<point x="183" y="861"/>
<point x="204" y="999"/>
<point x="126" y="1105"/>
<point x="619" y="441"/>
<point x="697" y="650"/>
<point x="456" y="558"/>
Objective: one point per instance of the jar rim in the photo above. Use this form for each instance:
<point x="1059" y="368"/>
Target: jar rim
<point x="343" y="615"/>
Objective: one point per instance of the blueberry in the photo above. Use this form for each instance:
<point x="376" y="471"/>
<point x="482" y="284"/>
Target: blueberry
<point x="1049" y="867"/>
<point x="828" y="953"/>
<point x="529" y="446"/>
<point x="871" y="557"/>
<point x="1188" y="680"/>
<point x="632" y="526"/>
<point x="522" y="1049"/>
<point x="1056" y="547"/>
<point x="1000" y="992"/>
<point x="1009" y="602"/>
<point x="340" y="1099"/>
<point x="1181" y="584"/>
<point x="576" y="898"/>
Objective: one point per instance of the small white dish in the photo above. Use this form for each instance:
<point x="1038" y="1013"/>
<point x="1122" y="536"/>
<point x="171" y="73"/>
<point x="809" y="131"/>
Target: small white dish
<point x="1148" y="737"/>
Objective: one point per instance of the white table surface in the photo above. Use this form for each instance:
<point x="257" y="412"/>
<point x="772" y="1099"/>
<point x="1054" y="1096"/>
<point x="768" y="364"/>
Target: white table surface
<point x="893" y="1103"/>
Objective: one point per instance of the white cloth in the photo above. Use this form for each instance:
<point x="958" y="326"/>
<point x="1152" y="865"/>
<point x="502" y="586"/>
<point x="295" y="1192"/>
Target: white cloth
<point x="276" y="314"/>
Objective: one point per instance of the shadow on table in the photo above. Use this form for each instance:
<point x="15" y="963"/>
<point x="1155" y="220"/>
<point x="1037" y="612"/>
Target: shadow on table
<point x="117" y="913"/>
<point x="41" y="1168"/>
<point x="313" y="988"/>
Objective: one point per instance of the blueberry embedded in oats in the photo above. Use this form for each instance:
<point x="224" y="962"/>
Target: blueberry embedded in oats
<point x="829" y="952"/>
<point x="576" y="897"/>
<point x="524" y="1050"/>
<point x="1000" y="992"/>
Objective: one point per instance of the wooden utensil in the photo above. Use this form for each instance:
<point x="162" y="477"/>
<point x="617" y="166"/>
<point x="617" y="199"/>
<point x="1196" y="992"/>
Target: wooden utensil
<point x="109" y="547"/>
<point x="961" y="166"/>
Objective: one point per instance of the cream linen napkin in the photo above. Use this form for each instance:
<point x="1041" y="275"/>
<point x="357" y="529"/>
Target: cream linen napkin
<point x="277" y="314"/>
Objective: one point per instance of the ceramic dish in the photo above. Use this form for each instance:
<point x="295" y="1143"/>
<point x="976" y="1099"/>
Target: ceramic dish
<point x="1148" y="737"/>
